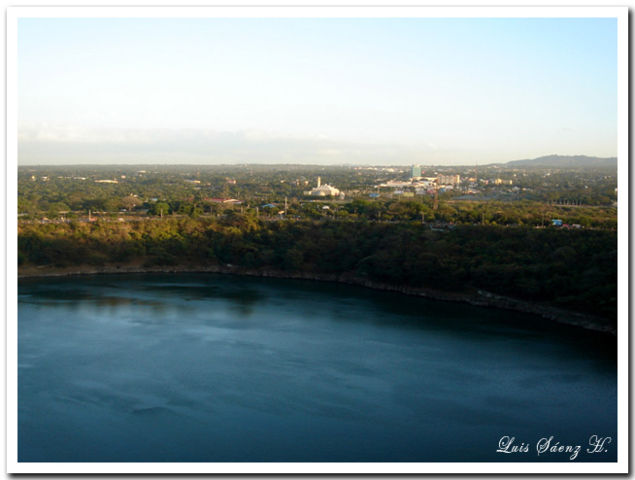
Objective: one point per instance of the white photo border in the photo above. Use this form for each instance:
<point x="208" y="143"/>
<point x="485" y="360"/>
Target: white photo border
<point x="13" y="14"/>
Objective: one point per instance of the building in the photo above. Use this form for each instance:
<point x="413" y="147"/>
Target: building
<point x="395" y="184"/>
<point x="448" y="179"/>
<point x="225" y="201"/>
<point x="416" y="171"/>
<point x="500" y="181"/>
<point x="325" y="190"/>
<point x="428" y="182"/>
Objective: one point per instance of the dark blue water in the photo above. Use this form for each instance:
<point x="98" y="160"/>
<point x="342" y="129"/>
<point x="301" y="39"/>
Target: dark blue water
<point x="197" y="367"/>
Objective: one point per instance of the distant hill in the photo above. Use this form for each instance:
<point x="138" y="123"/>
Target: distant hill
<point x="566" y="161"/>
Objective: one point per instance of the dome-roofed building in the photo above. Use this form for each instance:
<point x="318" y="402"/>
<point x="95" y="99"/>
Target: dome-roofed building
<point x="325" y="190"/>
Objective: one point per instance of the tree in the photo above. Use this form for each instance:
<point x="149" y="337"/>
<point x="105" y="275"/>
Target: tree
<point x="160" y="208"/>
<point x="129" y="202"/>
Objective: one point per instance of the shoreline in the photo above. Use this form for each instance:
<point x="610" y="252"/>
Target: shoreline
<point x="479" y="298"/>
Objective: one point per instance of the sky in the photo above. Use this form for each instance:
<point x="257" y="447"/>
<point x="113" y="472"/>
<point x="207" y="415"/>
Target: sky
<point x="321" y="91"/>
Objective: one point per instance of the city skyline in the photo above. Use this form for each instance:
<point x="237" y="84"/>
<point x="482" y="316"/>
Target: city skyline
<point x="323" y="91"/>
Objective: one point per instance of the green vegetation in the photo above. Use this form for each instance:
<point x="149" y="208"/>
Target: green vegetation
<point x="492" y="231"/>
<point x="574" y="269"/>
<point x="586" y="195"/>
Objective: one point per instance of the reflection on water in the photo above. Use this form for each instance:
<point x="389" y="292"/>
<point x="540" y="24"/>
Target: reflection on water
<point x="201" y="367"/>
<point x="241" y="299"/>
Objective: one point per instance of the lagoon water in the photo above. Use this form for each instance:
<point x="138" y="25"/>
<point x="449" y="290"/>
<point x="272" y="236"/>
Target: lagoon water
<point x="211" y="368"/>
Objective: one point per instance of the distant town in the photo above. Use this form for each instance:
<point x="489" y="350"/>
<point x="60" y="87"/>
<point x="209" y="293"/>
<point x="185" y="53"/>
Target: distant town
<point x="539" y="195"/>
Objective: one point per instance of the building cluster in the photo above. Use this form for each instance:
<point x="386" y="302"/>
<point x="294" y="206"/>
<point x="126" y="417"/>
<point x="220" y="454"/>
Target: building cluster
<point x="441" y="182"/>
<point x="493" y="181"/>
<point x="422" y="185"/>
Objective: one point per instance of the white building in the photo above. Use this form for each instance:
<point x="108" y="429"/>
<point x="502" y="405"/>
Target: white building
<point x="428" y="182"/>
<point x="448" y="179"/>
<point x="325" y="190"/>
<point x="395" y="184"/>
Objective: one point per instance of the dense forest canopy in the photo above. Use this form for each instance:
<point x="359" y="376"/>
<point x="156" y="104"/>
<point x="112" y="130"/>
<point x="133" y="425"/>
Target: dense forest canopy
<point x="576" y="269"/>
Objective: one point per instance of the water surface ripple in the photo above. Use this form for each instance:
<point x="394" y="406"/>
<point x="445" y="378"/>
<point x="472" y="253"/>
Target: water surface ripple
<point x="206" y="368"/>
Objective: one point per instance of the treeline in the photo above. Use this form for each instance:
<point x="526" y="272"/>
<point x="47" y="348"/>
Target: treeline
<point x="393" y="210"/>
<point x="485" y="213"/>
<point x="574" y="269"/>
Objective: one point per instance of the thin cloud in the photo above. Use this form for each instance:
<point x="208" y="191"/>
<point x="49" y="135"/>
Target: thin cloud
<point x="69" y="144"/>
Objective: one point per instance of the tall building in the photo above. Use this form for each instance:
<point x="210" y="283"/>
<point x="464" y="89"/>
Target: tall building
<point x="416" y="171"/>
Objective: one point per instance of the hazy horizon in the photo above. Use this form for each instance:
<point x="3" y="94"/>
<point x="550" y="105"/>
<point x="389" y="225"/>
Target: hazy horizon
<point x="292" y="164"/>
<point x="330" y="91"/>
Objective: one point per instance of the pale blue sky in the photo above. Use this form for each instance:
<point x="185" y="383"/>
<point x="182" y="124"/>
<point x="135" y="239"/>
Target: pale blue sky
<point x="315" y="90"/>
